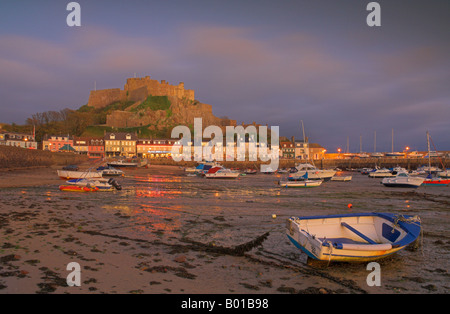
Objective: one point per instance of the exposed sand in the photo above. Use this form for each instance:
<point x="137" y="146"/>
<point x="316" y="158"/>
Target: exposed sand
<point x="42" y="230"/>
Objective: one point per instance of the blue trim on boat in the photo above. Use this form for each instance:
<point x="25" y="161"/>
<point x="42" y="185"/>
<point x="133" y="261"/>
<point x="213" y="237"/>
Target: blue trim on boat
<point x="361" y="257"/>
<point x="403" y="185"/>
<point x="359" y="234"/>
<point x="301" y="247"/>
<point x="389" y="233"/>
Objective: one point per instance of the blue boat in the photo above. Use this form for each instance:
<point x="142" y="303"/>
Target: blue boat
<point x="352" y="237"/>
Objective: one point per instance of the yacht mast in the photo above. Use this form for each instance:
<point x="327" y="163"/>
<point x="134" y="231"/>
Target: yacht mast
<point x="360" y="144"/>
<point x="429" y="157"/>
<point x="375" y="142"/>
<point x="303" y="128"/>
<point x="348" y="148"/>
<point x="392" y="140"/>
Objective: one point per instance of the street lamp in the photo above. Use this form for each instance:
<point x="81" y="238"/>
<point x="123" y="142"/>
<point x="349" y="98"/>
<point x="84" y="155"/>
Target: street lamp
<point x="406" y="151"/>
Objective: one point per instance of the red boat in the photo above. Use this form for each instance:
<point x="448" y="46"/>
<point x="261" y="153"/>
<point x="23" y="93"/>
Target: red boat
<point x="76" y="188"/>
<point x="436" y="181"/>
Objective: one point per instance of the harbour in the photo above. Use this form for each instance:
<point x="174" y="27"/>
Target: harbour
<point x="166" y="232"/>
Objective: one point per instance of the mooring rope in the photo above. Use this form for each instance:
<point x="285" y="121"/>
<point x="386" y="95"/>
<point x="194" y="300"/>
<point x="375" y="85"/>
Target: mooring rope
<point x="330" y="250"/>
<point x="415" y="220"/>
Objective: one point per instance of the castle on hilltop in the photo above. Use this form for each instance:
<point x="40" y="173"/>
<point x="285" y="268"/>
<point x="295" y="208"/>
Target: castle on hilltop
<point x="137" y="89"/>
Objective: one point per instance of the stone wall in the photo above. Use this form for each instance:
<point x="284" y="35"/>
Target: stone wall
<point x="156" y="88"/>
<point x="137" y="89"/>
<point x="104" y="97"/>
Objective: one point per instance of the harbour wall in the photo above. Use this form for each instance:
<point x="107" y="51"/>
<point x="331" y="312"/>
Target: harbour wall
<point x="344" y="164"/>
<point x="384" y="162"/>
<point x="20" y="158"/>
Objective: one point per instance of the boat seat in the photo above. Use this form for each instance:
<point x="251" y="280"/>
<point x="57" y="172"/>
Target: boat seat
<point x="341" y="240"/>
<point x="349" y="244"/>
<point x="359" y="234"/>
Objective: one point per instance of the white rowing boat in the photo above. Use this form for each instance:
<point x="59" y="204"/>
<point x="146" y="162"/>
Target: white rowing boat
<point x="352" y="237"/>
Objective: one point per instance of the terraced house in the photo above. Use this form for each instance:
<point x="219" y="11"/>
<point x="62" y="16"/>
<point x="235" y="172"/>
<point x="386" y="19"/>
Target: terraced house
<point x="55" y="143"/>
<point x="18" y="140"/>
<point x="155" y="148"/>
<point x="120" y="144"/>
<point x="91" y="146"/>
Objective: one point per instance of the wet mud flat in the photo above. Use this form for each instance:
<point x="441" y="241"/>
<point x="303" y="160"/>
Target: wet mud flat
<point x="169" y="233"/>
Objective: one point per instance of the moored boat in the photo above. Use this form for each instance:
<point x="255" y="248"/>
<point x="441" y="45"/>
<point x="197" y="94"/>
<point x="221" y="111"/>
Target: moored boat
<point x="403" y="180"/>
<point x="352" y="237"/>
<point x="435" y="181"/>
<point x="341" y="178"/>
<point x="68" y="175"/>
<point x="366" y="171"/>
<point x="300" y="184"/>
<point x="381" y="173"/>
<point x="77" y="188"/>
<point x="394" y="154"/>
<point x="313" y="172"/>
<point x="221" y="173"/>
<point x="444" y="174"/>
<point x="110" y="171"/>
<point x="430" y="180"/>
<point x="102" y="184"/>
<point x="250" y="171"/>
<point x="122" y="164"/>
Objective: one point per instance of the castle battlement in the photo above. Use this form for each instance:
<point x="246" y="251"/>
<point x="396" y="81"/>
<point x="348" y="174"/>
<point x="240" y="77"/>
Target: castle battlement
<point x="136" y="89"/>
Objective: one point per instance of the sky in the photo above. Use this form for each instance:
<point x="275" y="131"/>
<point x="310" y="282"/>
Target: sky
<point x="273" y="62"/>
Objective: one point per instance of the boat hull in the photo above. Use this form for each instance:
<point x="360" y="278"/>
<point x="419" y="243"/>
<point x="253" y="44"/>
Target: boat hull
<point x="401" y="185"/>
<point x="403" y="182"/>
<point x="69" y="175"/>
<point x="222" y="176"/>
<point x="342" y="179"/>
<point x="325" y="175"/>
<point x="381" y="175"/>
<point x="344" y="255"/>
<point x="77" y="188"/>
<point x="300" y="184"/>
<point x="436" y="182"/>
<point x="102" y="185"/>
<point x="444" y="174"/>
<point x="122" y="165"/>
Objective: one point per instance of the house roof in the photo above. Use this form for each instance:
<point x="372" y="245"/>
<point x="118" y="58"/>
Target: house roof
<point x="67" y="147"/>
<point x="121" y="136"/>
<point x="47" y="136"/>
<point x="315" y="145"/>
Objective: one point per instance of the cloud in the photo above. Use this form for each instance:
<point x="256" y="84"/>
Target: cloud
<point x="244" y="73"/>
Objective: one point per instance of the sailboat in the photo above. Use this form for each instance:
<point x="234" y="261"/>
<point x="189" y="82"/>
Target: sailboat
<point x="309" y="169"/>
<point x="375" y="153"/>
<point x="430" y="181"/>
<point x="392" y="153"/>
<point x="303" y="182"/>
